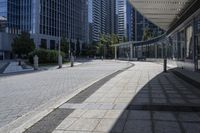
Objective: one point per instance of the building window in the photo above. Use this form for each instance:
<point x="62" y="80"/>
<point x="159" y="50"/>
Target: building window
<point x="43" y="43"/>
<point x="52" y="44"/>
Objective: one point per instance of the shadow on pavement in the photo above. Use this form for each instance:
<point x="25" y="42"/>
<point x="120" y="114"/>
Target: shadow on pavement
<point x="166" y="104"/>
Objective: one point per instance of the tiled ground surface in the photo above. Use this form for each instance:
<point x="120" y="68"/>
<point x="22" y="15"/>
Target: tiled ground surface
<point x="23" y="93"/>
<point x="13" y="67"/>
<point x="139" y="100"/>
<point x="3" y="65"/>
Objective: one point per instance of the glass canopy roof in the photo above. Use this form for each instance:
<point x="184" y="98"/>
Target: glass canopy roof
<point x="161" y="12"/>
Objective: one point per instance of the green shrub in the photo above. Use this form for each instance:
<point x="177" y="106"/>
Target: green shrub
<point x="45" y="56"/>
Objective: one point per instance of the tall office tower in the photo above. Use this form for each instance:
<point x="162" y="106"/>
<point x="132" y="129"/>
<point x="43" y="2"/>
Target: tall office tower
<point x="130" y="20"/>
<point x="45" y="20"/>
<point x="55" y="19"/>
<point x="17" y="14"/>
<point x="122" y="19"/>
<point x="98" y="19"/>
<point x="85" y="21"/>
<point x="111" y="17"/>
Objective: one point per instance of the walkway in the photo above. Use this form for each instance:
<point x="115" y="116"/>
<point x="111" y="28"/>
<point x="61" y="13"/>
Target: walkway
<point x="3" y="65"/>
<point x="21" y="94"/>
<point x="139" y="100"/>
<point x="13" y="67"/>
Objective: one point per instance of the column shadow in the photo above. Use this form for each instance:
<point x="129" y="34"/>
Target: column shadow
<point x="166" y="104"/>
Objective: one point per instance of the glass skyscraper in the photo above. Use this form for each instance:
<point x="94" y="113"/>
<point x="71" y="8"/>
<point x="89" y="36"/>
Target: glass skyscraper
<point x="45" y="20"/>
<point x="111" y="17"/>
<point x="98" y="19"/>
<point x="122" y="19"/>
<point x="102" y="18"/>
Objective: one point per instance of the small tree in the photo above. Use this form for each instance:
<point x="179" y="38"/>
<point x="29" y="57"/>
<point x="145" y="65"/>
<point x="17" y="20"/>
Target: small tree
<point x="64" y="47"/>
<point x="147" y="34"/>
<point x="23" y="44"/>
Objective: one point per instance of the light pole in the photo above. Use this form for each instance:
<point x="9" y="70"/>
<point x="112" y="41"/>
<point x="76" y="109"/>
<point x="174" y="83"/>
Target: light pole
<point x="59" y="55"/>
<point x="71" y="57"/>
<point x="69" y="52"/>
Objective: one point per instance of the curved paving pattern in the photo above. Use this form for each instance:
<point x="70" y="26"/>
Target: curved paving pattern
<point x="139" y="100"/>
<point x="23" y="93"/>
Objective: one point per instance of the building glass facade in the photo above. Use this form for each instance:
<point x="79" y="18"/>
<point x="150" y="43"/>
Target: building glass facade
<point x="122" y="19"/>
<point x="98" y="19"/>
<point x="44" y="19"/>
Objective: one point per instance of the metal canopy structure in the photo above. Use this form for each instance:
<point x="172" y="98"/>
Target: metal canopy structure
<point x="161" y="12"/>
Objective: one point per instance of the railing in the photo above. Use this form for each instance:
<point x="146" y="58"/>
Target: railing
<point x="158" y="47"/>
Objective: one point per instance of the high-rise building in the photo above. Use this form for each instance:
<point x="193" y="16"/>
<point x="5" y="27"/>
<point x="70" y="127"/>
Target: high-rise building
<point x="45" y="20"/>
<point x="122" y="19"/>
<point x="111" y="17"/>
<point x="58" y="18"/>
<point x="98" y="19"/>
<point x="102" y="18"/>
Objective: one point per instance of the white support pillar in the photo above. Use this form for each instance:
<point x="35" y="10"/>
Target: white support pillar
<point x="173" y="50"/>
<point x="81" y="46"/>
<point x="115" y="52"/>
<point x="134" y="52"/>
<point x="75" y="48"/>
<point x="181" y="43"/>
<point x="131" y="51"/>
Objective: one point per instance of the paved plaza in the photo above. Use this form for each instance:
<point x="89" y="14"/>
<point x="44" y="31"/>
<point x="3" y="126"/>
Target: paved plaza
<point x="21" y="94"/>
<point x="13" y="67"/>
<point x="138" y="99"/>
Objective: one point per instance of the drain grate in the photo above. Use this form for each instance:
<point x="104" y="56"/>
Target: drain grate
<point x="82" y="96"/>
<point x="50" y="122"/>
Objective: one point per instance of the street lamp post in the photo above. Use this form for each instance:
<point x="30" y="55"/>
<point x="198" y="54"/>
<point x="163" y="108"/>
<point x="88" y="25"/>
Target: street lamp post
<point x="59" y="55"/>
<point x="69" y="52"/>
<point x="71" y="57"/>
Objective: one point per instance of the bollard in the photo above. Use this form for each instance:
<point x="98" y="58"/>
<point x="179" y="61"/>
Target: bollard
<point x="60" y="61"/>
<point x="19" y="62"/>
<point x="72" y="61"/>
<point x="35" y="59"/>
<point x="165" y="65"/>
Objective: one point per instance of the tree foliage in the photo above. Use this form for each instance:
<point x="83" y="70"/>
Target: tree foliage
<point x="105" y="45"/>
<point x="23" y="44"/>
<point x="147" y="34"/>
<point x="45" y="56"/>
<point x="64" y="46"/>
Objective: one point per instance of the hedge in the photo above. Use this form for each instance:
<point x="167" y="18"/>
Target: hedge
<point x="45" y="56"/>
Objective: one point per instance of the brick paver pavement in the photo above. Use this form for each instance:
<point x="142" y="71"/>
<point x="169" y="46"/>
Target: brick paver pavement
<point x="139" y="100"/>
<point x="23" y="93"/>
